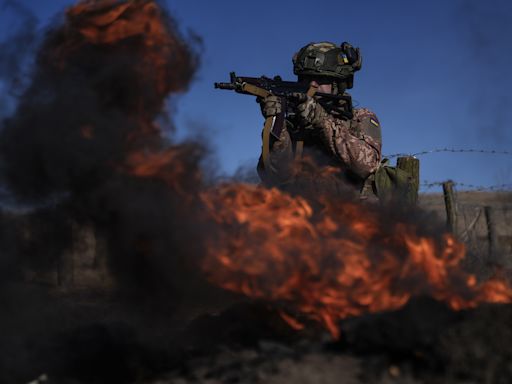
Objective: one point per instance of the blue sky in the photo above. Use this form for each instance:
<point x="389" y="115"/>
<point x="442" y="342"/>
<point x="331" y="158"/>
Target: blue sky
<point x="436" y="73"/>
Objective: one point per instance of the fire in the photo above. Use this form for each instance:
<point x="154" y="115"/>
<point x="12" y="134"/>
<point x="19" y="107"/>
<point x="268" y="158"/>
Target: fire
<point x="109" y="22"/>
<point x="151" y="61"/>
<point x="321" y="260"/>
<point x="174" y="166"/>
<point x="141" y="39"/>
<point x="333" y="261"/>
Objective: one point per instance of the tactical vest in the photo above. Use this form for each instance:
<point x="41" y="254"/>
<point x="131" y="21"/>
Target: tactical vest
<point x="387" y="183"/>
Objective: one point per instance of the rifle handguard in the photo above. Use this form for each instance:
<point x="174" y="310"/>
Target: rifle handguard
<point x="254" y="90"/>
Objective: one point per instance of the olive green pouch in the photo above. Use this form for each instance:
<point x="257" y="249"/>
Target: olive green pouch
<point x="395" y="184"/>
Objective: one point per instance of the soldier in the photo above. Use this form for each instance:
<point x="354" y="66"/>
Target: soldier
<point x="323" y="133"/>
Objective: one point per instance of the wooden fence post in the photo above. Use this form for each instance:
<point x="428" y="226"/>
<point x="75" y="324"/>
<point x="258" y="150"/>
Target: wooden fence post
<point x="492" y="235"/>
<point x="100" y="253"/>
<point x="411" y="165"/>
<point x="451" y="206"/>
<point x="66" y="259"/>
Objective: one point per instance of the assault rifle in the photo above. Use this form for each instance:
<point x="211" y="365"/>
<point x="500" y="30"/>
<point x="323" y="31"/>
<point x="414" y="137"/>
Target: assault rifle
<point x="289" y="90"/>
<point x="291" y="94"/>
<point x="263" y="86"/>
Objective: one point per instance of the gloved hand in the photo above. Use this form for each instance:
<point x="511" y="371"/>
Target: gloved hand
<point x="311" y="112"/>
<point x="270" y="105"/>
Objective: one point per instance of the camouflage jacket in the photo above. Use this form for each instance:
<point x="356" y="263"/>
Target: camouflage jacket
<point x="353" y="146"/>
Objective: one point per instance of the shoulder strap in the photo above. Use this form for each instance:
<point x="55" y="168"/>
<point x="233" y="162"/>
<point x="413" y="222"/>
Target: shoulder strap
<point x="299" y="145"/>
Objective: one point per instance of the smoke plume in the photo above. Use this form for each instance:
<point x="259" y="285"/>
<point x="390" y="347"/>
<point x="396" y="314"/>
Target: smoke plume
<point x="19" y="38"/>
<point x="99" y="84"/>
<point x="487" y="29"/>
<point x="84" y="148"/>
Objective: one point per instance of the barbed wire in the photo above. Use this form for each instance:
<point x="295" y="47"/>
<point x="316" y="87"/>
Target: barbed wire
<point x="470" y="187"/>
<point x="431" y="184"/>
<point x="451" y="150"/>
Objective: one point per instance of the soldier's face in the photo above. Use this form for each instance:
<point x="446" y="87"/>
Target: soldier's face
<point x="324" y="85"/>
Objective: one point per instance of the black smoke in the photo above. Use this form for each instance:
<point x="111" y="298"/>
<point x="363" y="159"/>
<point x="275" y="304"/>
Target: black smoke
<point x="487" y="29"/>
<point x="88" y="108"/>
<point x="66" y="152"/>
<point x="19" y="38"/>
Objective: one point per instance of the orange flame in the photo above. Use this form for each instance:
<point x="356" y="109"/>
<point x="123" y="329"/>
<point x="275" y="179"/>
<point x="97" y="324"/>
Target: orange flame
<point x="110" y="22"/>
<point x="137" y="30"/>
<point x="334" y="261"/>
<point x="172" y="165"/>
<point x="325" y="260"/>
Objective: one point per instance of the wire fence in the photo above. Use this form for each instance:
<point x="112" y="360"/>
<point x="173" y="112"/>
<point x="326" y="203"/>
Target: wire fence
<point x="486" y="231"/>
<point x="426" y="185"/>
<point x="451" y="150"/>
<point x="482" y="222"/>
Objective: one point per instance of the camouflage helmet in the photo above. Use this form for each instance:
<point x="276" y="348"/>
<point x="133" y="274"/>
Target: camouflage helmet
<point x="328" y="59"/>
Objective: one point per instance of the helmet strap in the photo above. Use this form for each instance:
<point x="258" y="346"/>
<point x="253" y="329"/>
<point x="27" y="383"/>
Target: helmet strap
<point x="334" y="87"/>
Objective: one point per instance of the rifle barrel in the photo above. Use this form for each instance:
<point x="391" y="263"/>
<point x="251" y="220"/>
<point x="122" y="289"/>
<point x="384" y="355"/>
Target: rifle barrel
<point x="225" y="85"/>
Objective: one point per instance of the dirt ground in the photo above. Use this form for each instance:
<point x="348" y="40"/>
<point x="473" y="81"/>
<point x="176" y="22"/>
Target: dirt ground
<point x="89" y="333"/>
<point x="82" y="337"/>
